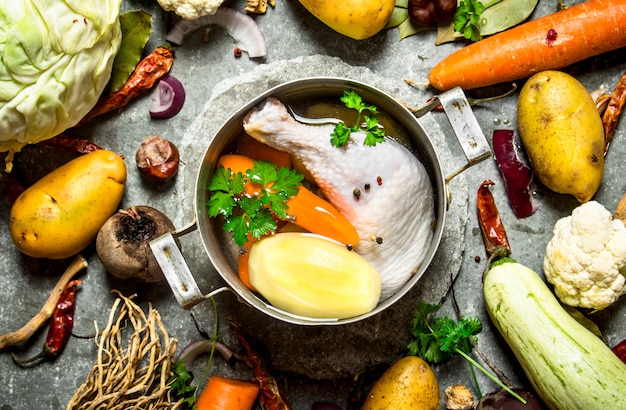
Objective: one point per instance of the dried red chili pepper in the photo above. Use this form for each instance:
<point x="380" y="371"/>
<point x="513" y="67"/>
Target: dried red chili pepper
<point x="65" y="143"/>
<point x="613" y="111"/>
<point x="60" y="326"/>
<point x="149" y="70"/>
<point x="491" y="226"/>
<point x="620" y="350"/>
<point x="271" y="395"/>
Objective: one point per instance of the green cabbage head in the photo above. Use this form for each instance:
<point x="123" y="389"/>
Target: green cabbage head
<point x="55" y="60"/>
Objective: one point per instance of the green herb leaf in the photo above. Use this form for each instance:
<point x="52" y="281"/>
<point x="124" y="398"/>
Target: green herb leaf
<point x="373" y="132"/>
<point x="340" y="135"/>
<point x="252" y="215"/>
<point x="181" y="384"/>
<point x="467" y="18"/>
<point x="438" y="339"/>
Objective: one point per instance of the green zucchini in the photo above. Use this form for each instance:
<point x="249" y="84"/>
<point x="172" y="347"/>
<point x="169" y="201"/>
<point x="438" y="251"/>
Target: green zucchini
<point x="568" y="366"/>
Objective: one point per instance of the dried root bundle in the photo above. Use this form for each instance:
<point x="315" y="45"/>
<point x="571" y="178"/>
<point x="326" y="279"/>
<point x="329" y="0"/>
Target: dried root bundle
<point x="135" y="376"/>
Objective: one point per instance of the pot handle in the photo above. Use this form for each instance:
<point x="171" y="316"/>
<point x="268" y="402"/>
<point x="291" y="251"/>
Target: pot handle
<point x="465" y="126"/>
<point x="175" y="269"/>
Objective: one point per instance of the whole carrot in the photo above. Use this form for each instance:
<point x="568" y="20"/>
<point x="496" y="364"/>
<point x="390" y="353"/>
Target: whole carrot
<point x="550" y="42"/>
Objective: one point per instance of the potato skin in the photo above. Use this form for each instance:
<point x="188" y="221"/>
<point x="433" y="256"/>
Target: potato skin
<point x="357" y="19"/>
<point x="59" y="215"/>
<point x="409" y="384"/>
<point x="562" y="133"/>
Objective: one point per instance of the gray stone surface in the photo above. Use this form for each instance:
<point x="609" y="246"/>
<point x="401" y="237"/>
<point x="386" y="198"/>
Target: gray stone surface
<point x="316" y="363"/>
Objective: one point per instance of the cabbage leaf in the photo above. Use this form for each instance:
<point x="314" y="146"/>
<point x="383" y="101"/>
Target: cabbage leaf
<point x="55" y="60"/>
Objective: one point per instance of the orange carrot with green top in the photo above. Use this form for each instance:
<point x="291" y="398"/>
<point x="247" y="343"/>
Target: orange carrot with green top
<point x="547" y="43"/>
<point x="223" y="393"/>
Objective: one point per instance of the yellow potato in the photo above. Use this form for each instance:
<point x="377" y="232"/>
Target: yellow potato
<point x="311" y="275"/>
<point x="409" y="384"/>
<point x="59" y="215"/>
<point x="357" y="19"/>
<point x="562" y="133"/>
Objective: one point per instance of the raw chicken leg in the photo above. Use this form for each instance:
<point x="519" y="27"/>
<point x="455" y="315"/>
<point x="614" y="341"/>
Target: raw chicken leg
<point x="394" y="213"/>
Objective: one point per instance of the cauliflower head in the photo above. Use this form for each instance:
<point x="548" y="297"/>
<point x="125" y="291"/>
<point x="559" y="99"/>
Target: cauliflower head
<point x="55" y="61"/>
<point x="586" y="257"/>
<point x="191" y="9"/>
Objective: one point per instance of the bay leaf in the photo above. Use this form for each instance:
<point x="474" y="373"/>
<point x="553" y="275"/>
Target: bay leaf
<point x="136" y="27"/>
<point x="496" y="18"/>
<point x="408" y="28"/>
<point x="505" y="14"/>
<point x="398" y="15"/>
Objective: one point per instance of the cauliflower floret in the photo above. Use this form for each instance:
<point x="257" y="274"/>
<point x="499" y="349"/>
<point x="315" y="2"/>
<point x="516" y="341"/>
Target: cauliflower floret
<point x="586" y="258"/>
<point x="191" y="9"/>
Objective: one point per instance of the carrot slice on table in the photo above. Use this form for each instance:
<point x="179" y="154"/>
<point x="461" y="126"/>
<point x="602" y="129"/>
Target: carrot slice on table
<point x="550" y="42"/>
<point x="222" y="393"/>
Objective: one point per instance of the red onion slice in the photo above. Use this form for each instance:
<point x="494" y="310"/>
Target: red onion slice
<point x="517" y="176"/>
<point x="240" y="26"/>
<point x="167" y="98"/>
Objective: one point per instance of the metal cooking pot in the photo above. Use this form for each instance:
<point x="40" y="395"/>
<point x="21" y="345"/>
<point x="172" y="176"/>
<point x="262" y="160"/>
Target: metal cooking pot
<point x="294" y="93"/>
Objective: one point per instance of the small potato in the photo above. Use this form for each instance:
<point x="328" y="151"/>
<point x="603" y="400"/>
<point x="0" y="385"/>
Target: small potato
<point x="562" y="133"/>
<point x="60" y="215"/>
<point x="357" y="19"/>
<point x="409" y="384"/>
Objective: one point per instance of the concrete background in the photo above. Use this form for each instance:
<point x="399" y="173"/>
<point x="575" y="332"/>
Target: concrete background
<point x="313" y="363"/>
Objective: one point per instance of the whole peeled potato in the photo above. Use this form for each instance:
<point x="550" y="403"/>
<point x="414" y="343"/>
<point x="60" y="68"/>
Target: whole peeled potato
<point x="314" y="276"/>
<point x="409" y="384"/>
<point x="357" y="19"/>
<point x="562" y="133"/>
<point x="60" y="215"/>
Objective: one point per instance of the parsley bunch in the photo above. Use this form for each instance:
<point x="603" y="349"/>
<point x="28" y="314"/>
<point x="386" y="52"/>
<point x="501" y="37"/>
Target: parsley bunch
<point x="252" y="215"/>
<point x="437" y="339"/>
<point x="181" y="386"/>
<point x="373" y="133"/>
<point x="467" y="19"/>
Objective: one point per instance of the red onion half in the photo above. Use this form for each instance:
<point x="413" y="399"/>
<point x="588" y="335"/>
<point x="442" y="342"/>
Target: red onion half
<point x="167" y="98"/>
<point x="240" y="26"/>
<point x="517" y="176"/>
